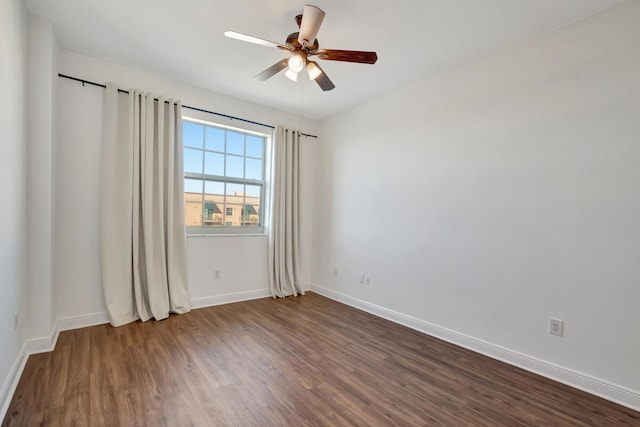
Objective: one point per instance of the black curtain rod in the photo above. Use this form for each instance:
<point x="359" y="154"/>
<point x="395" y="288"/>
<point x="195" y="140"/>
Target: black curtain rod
<point x="64" y="76"/>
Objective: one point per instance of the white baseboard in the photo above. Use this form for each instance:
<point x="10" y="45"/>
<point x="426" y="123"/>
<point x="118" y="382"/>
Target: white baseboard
<point x="229" y="298"/>
<point x="585" y="382"/>
<point x="86" y="320"/>
<point x="43" y="344"/>
<point x="29" y="347"/>
<point x="82" y="321"/>
<point x="10" y="384"/>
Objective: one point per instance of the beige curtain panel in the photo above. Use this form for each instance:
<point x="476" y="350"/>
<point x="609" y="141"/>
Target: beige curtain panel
<point x="284" y="254"/>
<point x="143" y="240"/>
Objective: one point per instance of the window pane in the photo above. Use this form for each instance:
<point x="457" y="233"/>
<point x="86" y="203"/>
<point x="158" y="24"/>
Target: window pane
<point x="214" y="139"/>
<point x="252" y="191"/>
<point x="254" y="169"/>
<point x="235" y="166"/>
<point x="251" y="215"/>
<point x="192" y="214"/>
<point x="215" y="187"/>
<point x="192" y="134"/>
<point x="192" y="160"/>
<point x="193" y="186"/>
<point x="236" y="218"/>
<point x="212" y="213"/>
<point x="213" y="163"/>
<point x="193" y="205"/>
<point x="252" y="205"/>
<point x="235" y="143"/>
<point x="254" y="146"/>
<point x="235" y="190"/>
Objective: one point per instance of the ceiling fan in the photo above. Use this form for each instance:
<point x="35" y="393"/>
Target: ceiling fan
<point x="302" y="45"/>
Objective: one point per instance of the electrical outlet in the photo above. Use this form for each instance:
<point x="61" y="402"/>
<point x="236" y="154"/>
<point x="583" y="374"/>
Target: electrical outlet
<point x="367" y="280"/>
<point x="217" y="274"/>
<point x="361" y="277"/>
<point x="16" y="318"/>
<point x="556" y="327"/>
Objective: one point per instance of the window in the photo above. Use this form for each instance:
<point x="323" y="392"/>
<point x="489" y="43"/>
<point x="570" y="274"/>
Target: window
<point x="223" y="172"/>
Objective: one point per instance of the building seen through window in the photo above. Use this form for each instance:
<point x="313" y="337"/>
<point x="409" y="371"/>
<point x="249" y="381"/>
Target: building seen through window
<point x="244" y="212"/>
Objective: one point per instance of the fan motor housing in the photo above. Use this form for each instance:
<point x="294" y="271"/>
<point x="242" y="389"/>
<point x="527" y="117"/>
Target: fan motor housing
<point x="292" y="42"/>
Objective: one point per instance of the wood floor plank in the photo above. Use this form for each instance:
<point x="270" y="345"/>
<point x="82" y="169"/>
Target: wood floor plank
<point x="305" y="361"/>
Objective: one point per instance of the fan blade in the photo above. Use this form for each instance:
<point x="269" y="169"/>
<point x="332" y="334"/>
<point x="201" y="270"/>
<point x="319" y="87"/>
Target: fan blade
<point x="311" y="20"/>
<point x="348" y="56"/>
<point x="273" y="70"/>
<point x="324" y="81"/>
<point x="255" y="40"/>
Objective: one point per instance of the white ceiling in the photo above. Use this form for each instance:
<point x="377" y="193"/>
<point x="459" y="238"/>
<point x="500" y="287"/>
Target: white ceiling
<point x="184" y="40"/>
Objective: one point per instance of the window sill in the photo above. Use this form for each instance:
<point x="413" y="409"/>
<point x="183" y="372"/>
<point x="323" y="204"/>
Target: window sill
<point x="227" y="235"/>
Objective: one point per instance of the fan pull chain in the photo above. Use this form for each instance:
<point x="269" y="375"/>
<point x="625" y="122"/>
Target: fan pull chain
<point x="301" y="107"/>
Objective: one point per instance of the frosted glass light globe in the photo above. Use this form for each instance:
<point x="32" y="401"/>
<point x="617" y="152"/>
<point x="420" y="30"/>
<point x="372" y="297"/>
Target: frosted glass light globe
<point x="296" y="63"/>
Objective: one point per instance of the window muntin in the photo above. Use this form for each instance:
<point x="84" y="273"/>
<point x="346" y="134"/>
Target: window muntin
<point x="224" y="185"/>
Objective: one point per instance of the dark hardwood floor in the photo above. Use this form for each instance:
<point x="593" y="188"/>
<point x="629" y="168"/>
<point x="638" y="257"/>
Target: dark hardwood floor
<point x="292" y="362"/>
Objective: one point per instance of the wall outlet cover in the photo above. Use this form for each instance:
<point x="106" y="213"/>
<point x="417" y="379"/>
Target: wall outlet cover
<point x="556" y="327"/>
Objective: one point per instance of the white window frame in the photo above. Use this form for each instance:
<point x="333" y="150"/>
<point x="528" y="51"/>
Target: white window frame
<point x="225" y="229"/>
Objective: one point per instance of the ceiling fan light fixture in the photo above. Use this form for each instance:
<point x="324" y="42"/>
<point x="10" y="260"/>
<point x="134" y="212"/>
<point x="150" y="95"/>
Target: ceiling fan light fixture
<point x="296" y="63"/>
<point x="291" y="75"/>
<point x="314" y="70"/>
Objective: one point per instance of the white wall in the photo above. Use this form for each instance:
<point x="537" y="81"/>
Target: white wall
<point x="487" y="199"/>
<point x="242" y="259"/>
<point x="13" y="142"/>
<point x="41" y="77"/>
